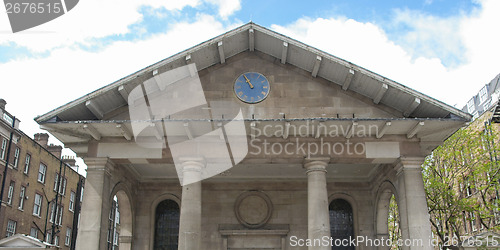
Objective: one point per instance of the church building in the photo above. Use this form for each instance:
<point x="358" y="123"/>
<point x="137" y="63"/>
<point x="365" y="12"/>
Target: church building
<point x="252" y="140"/>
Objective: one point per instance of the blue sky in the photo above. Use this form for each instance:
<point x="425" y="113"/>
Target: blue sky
<point x="446" y="49"/>
<point x="268" y="13"/>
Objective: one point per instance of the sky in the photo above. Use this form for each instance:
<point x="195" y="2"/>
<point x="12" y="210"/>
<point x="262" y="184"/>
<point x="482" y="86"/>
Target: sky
<point x="447" y="49"/>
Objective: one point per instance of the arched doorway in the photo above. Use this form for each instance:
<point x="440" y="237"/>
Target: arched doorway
<point x="387" y="222"/>
<point x="120" y="222"/>
<point x="341" y="222"/>
<point x="166" y="236"/>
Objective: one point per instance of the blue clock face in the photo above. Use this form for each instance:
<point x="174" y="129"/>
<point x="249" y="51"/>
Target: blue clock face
<point x="251" y="87"/>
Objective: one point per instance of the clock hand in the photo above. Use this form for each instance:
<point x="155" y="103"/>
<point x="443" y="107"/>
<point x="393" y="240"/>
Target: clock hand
<point x="248" y="81"/>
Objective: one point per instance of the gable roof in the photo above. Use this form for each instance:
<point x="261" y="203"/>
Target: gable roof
<point x="21" y="241"/>
<point x="252" y="37"/>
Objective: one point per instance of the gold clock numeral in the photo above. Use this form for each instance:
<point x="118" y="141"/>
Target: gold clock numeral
<point x="251" y="98"/>
<point x="259" y="97"/>
<point x="263" y="81"/>
<point x="264" y="93"/>
<point x="238" y="87"/>
<point x="264" y="86"/>
<point x="240" y="93"/>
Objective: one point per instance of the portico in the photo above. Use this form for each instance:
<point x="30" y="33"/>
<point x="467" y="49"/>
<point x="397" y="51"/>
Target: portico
<point x="323" y="152"/>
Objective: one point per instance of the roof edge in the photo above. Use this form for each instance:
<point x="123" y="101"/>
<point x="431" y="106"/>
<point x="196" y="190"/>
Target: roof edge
<point x="42" y="118"/>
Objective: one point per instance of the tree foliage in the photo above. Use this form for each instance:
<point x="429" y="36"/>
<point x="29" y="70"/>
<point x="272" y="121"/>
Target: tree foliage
<point x="461" y="183"/>
<point x="394" y="223"/>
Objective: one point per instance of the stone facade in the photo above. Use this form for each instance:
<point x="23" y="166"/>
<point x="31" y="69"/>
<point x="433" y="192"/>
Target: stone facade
<point x="312" y="142"/>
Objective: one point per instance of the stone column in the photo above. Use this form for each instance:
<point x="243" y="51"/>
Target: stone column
<point x="125" y="242"/>
<point x="412" y="203"/>
<point x="318" y="221"/>
<point x="94" y="215"/>
<point x="190" y="217"/>
<point x="383" y="238"/>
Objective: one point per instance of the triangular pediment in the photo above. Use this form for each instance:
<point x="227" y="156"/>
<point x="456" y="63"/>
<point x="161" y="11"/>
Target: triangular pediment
<point x="293" y="93"/>
<point x="306" y="85"/>
<point x="20" y="241"/>
<point x="253" y="38"/>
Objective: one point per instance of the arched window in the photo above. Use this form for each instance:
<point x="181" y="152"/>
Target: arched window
<point x="113" y="225"/>
<point x="341" y="222"/>
<point x="167" y="225"/>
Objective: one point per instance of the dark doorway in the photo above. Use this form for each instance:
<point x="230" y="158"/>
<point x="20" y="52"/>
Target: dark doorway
<point x="341" y="224"/>
<point x="167" y="225"/>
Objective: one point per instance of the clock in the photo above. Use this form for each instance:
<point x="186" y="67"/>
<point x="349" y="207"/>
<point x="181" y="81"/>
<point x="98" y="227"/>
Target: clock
<point x="251" y="87"/>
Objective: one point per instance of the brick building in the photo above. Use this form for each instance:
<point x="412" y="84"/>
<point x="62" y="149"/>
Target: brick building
<point x="467" y="166"/>
<point x="35" y="172"/>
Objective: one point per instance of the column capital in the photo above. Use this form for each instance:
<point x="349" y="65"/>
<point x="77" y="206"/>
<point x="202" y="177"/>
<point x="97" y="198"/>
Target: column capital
<point x="125" y="239"/>
<point x="190" y="164"/>
<point x="408" y="163"/>
<point x="99" y="164"/>
<point x="316" y="164"/>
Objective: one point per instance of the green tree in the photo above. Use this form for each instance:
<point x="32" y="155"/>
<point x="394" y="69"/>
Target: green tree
<point x="393" y="223"/>
<point x="461" y="183"/>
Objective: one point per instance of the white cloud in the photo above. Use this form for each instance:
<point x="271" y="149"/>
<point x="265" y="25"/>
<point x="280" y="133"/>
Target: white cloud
<point x="368" y="46"/>
<point x="69" y="73"/>
<point x="429" y="36"/>
<point x="226" y="7"/>
<point x="88" y="20"/>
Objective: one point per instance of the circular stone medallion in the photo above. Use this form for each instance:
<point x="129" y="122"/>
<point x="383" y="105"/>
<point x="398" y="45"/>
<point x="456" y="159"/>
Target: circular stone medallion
<point x="253" y="209"/>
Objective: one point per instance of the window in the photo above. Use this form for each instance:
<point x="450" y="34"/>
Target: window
<point x="3" y="149"/>
<point x="115" y="241"/>
<point x="34" y="232"/>
<point x="471" y="106"/>
<point x="483" y="94"/>
<point x="56" y="178"/>
<point x="56" y="211"/>
<point x="27" y="163"/>
<point x="11" y="228"/>
<point x="37" y="207"/>
<point x="62" y="185"/>
<point x="63" y="191"/>
<point x="41" y="173"/>
<point x="496" y="211"/>
<point x="468" y="188"/>
<point x="166" y="235"/>
<point x="49" y="236"/>
<point x="72" y="197"/>
<point x="16" y="157"/>
<point x="10" y="193"/>
<point x="59" y="221"/>
<point x="21" y="197"/>
<point x="112" y="230"/>
<point x="56" y="240"/>
<point x="7" y="118"/>
<point x="473" y="221"/>
<point x="487" y="104"/>
<point x="67" y="240"/>
<point x="466" y="230"/>
<point x="341" y="222"/>
<point x="52" y="213"/>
